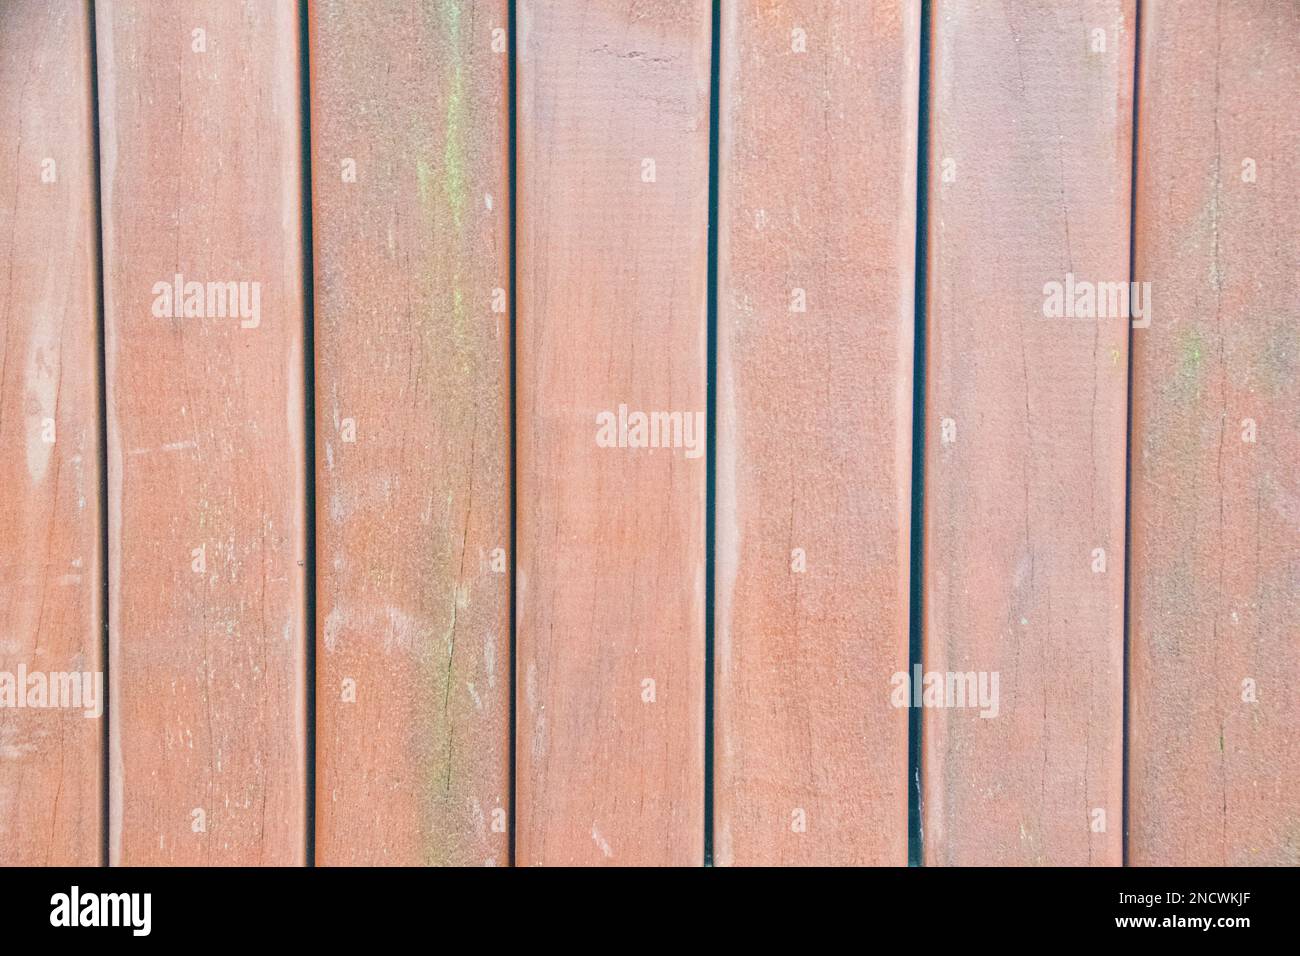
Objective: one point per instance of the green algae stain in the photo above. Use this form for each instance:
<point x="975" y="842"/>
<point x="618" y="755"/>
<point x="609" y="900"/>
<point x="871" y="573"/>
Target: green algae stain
<point x="461" y="333"/>
<point x="1190" y="360"/>
<point x="456" y="819"/>
<point x="458" y="306"/>
<point x="455" y="177"/>
<point x="424" y="172"/>
<point x="454" y="157"/>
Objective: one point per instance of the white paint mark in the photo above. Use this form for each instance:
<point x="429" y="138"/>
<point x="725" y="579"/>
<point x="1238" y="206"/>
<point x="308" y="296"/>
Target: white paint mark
<point x="170" y="446"/>
<point x="333" y="624"/>
<point x="601" y="843"/>
<point x="402" y="630"/>
<point x="490" y="658"/>
<point x="42" y="387"/>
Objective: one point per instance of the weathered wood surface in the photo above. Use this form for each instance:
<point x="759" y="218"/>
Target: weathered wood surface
<point x="51" y="592"/>
<point x="816" y="249"/>
<point x="1214" y="757"/>
<point x="1029" y="169"/>
<point x="411" y="229"/>
<point x="203" y="597"/>
<point x="200" y="146"/>
<point x="611" y="311"/>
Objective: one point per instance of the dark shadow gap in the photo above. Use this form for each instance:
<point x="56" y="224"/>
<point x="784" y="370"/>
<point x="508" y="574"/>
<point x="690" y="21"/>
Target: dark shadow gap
<point x="711" y="441"/>
<point x="1128" y="438"/>
<point x="102" y="398"/>
<point x="512" y="107"/>
<point x="915" y="830"/>
<point x="309" y="432"/>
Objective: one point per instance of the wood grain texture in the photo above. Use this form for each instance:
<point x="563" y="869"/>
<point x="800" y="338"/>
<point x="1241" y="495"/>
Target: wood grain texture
<point x="612" y="311"/>
<point x="51" y="574"/>
<point x="817" y="200"/>
<point x="412" y="338"/>
<point x="1214" y="761"/>
<point x="201" y="177"/>
<point x="1032" y="125"/>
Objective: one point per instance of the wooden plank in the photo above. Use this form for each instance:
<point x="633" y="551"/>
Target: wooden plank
<point x="1029" y="168"/>
<point x="51" y="572"/>
<point x="1215" y="580"/>
<point x="817" y="180"/>
<point x="613" y="139"/>
<point x="411" y="231"/>
<point x="200" y="141"/>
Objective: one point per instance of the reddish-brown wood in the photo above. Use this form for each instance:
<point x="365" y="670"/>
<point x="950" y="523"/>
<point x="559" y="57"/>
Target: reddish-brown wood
<point x="612" y="286"/>
<point x="1029" y="168"/>
<point x="51" y="574"/>
<point x="200" y="132"/>
<point x="817" y="170"/>
<point x="411" y="227"/>
<point x="1214" y="757"/>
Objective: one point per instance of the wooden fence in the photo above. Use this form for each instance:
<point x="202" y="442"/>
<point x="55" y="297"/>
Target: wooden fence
<point x="580" y="432"/>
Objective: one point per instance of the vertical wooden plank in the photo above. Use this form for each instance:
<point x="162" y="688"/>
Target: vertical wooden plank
<point x="51" y="593"/>
<point x="1214" y="758"/>
<point x="201" y="178"/>
<point x="1029" y="170"/>
<point x="817" y="200"/>
<point x="613" y="138"/>
<point x="411" y="230"/>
